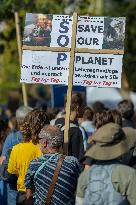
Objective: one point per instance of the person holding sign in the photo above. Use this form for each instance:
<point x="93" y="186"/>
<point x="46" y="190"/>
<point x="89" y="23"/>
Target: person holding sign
<point x="75" y="143"/>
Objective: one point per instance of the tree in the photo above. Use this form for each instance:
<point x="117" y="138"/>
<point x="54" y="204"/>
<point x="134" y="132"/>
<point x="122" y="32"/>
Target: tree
<point x="126" y="8"/>
<point x="9" y="61"/>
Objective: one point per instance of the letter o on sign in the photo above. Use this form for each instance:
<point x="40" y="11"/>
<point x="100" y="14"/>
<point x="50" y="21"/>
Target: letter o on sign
<point x="63" y="40"/>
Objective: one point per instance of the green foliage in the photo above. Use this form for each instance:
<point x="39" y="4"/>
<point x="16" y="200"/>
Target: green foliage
<point x="9" y="60"/>
<point x="127" y="9"/>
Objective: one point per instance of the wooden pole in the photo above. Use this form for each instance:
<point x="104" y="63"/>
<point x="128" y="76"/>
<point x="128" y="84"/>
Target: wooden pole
<point x="70" y="82"/>
<point x="18" y="34"/>
<point x="125" y="88"/>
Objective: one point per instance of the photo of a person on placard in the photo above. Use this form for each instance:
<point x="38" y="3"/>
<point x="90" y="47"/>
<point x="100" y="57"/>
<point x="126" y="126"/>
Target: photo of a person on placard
<point x="114" y="33"/>
<point x="37" y="30"/>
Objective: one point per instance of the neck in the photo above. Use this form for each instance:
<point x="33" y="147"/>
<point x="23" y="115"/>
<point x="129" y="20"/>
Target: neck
<point x="52" y="150"/>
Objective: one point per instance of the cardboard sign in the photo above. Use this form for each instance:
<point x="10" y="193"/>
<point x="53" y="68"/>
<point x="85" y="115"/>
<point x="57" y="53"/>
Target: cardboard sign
<point x="92" y="32"/>
<point x="48" y="30"/>
<point x="45" y="67"/>
<point x="101" y="70"/>
<point x="100" y="32"/>
<point x="54" y="32"/>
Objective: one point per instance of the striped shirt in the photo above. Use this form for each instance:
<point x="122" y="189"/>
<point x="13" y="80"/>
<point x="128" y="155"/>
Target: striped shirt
<point x="40" y="173"/>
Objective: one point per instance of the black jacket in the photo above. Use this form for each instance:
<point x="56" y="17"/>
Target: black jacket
<point x="75" y="142"/>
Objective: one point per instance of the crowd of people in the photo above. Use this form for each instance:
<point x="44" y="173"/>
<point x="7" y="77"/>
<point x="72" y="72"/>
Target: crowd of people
<point x="97" y="169"/>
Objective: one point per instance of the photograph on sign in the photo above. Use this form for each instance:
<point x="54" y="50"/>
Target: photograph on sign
<point x="37" y="31"/>
<point x="100" y="32"/>
<point x="47" y="30"/>
<point x="114" y="33"/>
<point x="100" y="70"/>
<point x="45" y="67"/>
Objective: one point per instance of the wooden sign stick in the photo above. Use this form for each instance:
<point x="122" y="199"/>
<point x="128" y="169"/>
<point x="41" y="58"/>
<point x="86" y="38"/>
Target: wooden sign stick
<point x="20" y="55"/>
<point x="70" y="82"/>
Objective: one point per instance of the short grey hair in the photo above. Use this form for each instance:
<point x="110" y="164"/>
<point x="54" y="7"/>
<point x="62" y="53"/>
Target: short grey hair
<point x="21" y="112"/>
<point x="52" y="134"/>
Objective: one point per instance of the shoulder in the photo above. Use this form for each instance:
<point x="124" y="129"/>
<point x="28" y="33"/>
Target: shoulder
<point x="10" y="136"/>
<point x="123" y="173"/>
<point x="85" y="174"/>
<point x="37" y="160"/>
<point x="121" y="167"/>
<point x="60" y="121"/>
<point x="15" y="149"/>
<point x="75" y="129"/>
<point x="35" y="163"/>
<point x="17" y="146"/>
<point x="71" y="159"/>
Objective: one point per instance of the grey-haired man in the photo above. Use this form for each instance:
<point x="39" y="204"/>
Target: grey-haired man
<point x="41" y="171"/>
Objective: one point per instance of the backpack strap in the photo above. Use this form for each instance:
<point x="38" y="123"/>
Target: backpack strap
<point x="43" y="164"/>
<point x="54" y="180"/>
<point x="84" y="135"/>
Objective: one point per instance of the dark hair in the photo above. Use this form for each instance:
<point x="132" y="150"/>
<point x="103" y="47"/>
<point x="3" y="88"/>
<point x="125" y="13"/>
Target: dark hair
<point x="102" y="118"/>
<point x="14" y="122"/>
<point x="32" y="125"/>
<point x="126" y="108"/>
<point x="116" y="116"/>
<point x="2" y="125"/>
<point x="77" y="104"/>
<point x="3" y="130"/>
<point x="88" y="113"/>
<point x="76" y="99"/>
<point x="98" y="106"/>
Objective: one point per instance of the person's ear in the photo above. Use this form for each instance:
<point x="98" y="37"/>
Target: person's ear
<point x="45" y="143"/>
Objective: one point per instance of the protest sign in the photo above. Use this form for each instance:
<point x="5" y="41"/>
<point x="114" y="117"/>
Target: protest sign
<point x="48" y="30"/>
<point x="101" y="70"/>
<point x="100" y="32"/>
<point x="45" y="67"/>
<point x="92" y="32"/>
<point x="45" y="34"/>
<point x="60" y="49"/>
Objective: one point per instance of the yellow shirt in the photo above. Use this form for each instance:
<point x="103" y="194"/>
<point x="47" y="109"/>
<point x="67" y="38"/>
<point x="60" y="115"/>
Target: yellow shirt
<point x="19" y="160"/>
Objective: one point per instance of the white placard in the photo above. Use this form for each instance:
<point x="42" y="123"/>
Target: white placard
<point x="61" y="31"/>
<point x="45" y="67"/>
<point x="90" y="32"/>
<point x="100" y="70"/>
